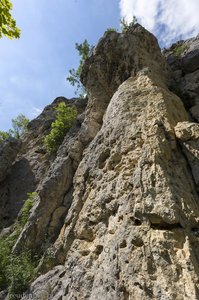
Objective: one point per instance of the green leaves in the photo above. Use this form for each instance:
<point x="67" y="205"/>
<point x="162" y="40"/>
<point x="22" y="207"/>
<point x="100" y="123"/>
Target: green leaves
<point x="17" y="270"/>
<point x="25" y="211"/>
<point x="74" y="78"/>
<point x="8" y="26"/>
<point x="110" y="29"/>
<point x="64" y="121"/>
<point x="3" y="135"/>
<point x="125" y="26"/>
<point x="19" y="125"/>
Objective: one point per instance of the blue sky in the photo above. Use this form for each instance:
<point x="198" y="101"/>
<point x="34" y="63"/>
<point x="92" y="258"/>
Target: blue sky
<point x="33" y="69"/>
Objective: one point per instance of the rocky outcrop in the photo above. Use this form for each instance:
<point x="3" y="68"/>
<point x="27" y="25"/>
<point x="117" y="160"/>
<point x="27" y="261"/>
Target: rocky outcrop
<point x="116" y="58"/>
<point x="27" y="167"/>
<point x="132" y="227"/>
<point x="119" y="205"/>
<point x="183" y="58"/>
<point x="188" y="135"/>
<point x="106" y="68"/>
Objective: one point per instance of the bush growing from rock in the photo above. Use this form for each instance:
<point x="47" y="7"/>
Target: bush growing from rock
<point x="125" y="26"/>
<point x="64" y="120"/>
<point x="19" y="127"/>
<point x="111" y="30"/>
<point x="4" y="135"/>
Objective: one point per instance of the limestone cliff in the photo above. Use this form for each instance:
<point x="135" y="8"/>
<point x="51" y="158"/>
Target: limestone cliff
<point x="119" y="203"/>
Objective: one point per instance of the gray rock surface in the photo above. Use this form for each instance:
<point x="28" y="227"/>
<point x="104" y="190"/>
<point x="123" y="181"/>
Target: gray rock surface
<point x="8" y="152"/>
<point x="31" y="164"/>
<point x="188" y="135"/>
<point x="183" y="58"/>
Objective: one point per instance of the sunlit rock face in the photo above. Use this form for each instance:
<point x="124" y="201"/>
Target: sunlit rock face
<point x="119" y="203"/>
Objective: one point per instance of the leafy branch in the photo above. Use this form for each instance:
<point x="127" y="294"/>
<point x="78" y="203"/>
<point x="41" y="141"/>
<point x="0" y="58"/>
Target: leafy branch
<point x="74" y="78"/>
<point x="8" y="26"/>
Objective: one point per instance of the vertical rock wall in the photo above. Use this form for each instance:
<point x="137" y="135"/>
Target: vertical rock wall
<point x="120" y="201"/>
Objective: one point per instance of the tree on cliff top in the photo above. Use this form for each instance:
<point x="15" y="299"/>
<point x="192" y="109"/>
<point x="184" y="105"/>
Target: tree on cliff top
<point x="74" y="78"/>
<point x="8" y="26"/>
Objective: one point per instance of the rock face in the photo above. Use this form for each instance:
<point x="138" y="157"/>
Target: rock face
<point x="183" y="58"/>
<point x="58" y="183"/>
<point x="8" y="152"/>
<point x="23" y="170"/>
<point x="119" y="204"/>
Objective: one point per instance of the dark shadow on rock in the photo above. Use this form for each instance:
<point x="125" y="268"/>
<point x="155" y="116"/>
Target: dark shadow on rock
<point x="190" y="61"/>
<point x="13" y="191"/>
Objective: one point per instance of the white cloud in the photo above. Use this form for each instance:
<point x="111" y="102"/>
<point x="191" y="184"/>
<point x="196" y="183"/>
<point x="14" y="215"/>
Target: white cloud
<point x="169" y="20"/>
<point x="35" y="112"/>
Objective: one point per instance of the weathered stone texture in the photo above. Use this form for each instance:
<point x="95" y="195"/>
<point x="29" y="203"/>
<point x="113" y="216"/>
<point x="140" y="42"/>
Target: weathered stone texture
<point x="131" y="231"/>
<point x="185" y="66"/>
<point x="120" y="201"/>
<point x="102" y="73"/>
<point x="28" y="167"/>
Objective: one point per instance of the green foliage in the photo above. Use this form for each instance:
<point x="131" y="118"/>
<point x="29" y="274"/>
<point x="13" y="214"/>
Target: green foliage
<point x="125" y="26"/>
<point x="7" y="23"/>
<point x="4" y="135"/>
<point x="4" y="261"/>
<point x="179" y="49"/>
<point x="19" y="125"/>
<point x="111" y="30"/>
<point x="28" y="204"/>
<point x="20" y="272"/>
<point x="74" y="78"/>
<point x="17" y="271"/>
<point x="65" y="116"/>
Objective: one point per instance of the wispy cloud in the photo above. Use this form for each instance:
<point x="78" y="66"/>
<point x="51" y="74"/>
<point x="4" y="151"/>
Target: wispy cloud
<point x="169" y="20"/>
<point x="35" y="112"/>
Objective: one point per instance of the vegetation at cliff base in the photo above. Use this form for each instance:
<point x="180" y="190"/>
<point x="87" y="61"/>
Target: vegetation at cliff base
<point x="65" y="117"/>
<point x="8" y="26"/>
<point x="74" y="78"/>
<point x="17" y="270"/>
